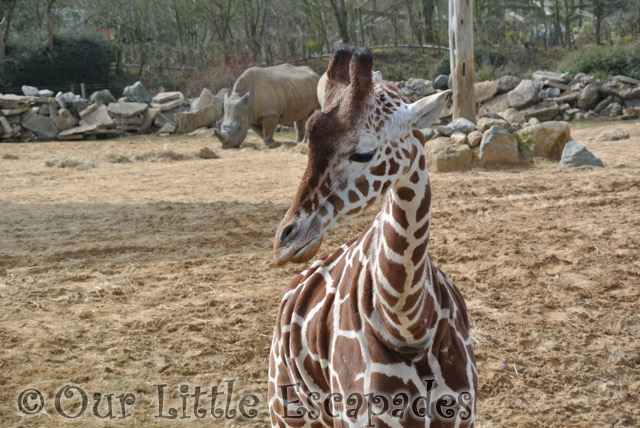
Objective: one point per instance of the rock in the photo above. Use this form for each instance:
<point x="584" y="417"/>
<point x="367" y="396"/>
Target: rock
<point x="76" y="133"/>
<point x="207" y="153"/>
<point x="602" y="104"/>
<point x="507" y="83"/>
<point x="484" y="91"/>
<point x="568" y="98"/>
<point x="513" y="116"/>
<point x="29" y="91"/>
<point x="6" y="126"/>
<point x="429" y="133"/>
<point x="549" y="93"/>
<point x="10" y="101"/>
<point x="629" y="113"/>
<point x="65" y="120"/>
<point x="165" y="97"/>
<point x="545" y="139"/>
<point x="484" y="123"/>
<point x="525" y="94"/>
<point x="205" y="99"/>
<point x="589" y="96"/>
<point x="462" y="125"/>
<point x="498" y="147"/>
<point x="99" y="117"/>
<point x="14" y="111"/>
<point x="550" y="75"/>
<point x="533" y="121"/>
<point x="42" y="126"/>
<point x="177" y="100"/>
<point x="103" y="97"/>
<point x="443" y="155"/>
<point x="419" y="88"/>
<point x="86" y="112"/>
<point x="613" y="109"/>
<point x="126" y="109"/>
<point x="202" y="132"/>
<point x="441" y="82"/>
<point x="149" y="118"/>
<point x="190" y="121"/>
<point x="576" y="154"/>
<point x="544" y="111"/>
<point x="613" y="135"/>
<point x="499" y="103"/>
<point x="445" y="131"/>
<point x="137" y="93"/>
<point x="628" y="80"/>
<point x="45" y="93"/>
<point x="67" y="98"/>
<point x="168" y="128"/>
<point x="474" y="138"/>
<point x="459" y="138"/>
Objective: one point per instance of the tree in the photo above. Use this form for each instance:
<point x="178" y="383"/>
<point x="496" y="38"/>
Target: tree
<point x="8" y="7"/>
<point x="461" y="53"/>
<point x="50" y="29"/>
<point x="601" y="9"/>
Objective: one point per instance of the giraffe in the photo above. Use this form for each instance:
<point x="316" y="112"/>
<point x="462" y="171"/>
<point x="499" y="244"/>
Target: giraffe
<point x="373" y="334"/>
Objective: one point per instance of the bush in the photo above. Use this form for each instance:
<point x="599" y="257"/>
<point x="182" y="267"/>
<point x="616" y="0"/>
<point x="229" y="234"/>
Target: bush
<point x="75" y="59"/>
<point x="483" y="58"/>
<point x="605" y="61"/>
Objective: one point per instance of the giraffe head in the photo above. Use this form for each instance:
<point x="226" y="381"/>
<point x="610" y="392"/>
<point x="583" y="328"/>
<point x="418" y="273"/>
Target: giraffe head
<point x="360" y="144"/>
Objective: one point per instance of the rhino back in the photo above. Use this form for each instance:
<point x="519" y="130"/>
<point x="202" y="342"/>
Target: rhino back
<point x="283" y="90"/>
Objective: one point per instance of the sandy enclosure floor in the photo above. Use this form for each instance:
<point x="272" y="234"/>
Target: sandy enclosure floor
<point x="119" y="276"/>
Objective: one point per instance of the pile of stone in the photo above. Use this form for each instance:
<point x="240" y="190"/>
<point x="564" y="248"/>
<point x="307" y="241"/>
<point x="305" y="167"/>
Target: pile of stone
<point x="38" y="115"/>
<point x="502" y="139"/>
<point x="547" y="96"/>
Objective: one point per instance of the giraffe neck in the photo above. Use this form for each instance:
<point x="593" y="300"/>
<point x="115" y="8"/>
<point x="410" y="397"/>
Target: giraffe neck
<point x="404" y="295"/>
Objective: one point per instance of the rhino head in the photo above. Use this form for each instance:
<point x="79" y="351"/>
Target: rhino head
<point x="235" y="124"/>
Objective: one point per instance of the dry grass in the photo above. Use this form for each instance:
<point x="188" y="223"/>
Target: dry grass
<point x="70" y="163"/>
<point x="10" y="156"/>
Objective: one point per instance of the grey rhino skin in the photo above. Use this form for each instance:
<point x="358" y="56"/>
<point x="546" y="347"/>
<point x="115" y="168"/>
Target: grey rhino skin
<point x="262" y="98"/>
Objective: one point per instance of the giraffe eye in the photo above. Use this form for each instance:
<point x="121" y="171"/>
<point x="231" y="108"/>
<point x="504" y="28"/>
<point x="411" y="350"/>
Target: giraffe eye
<point x="362" y="157"/>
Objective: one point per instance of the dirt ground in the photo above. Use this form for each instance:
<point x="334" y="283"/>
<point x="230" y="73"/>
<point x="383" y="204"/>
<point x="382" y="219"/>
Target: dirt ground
<point x="116" y="276"/>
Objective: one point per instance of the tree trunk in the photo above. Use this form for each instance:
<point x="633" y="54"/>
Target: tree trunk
<point x="461" y="55"/>
<point x="340" y="12"/>
<point x="427" y="15"/>
<point x="50" y="25"/>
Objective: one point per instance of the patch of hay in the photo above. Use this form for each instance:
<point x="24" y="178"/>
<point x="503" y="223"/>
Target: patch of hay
<point x="117" y="158"/>
<point x="10" y="156"/>
<point x="164" y="155"/>
<point x="207" y="153"/>
<point x="70" y="163"/>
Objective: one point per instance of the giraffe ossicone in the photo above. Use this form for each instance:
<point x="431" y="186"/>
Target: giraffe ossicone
<point x="374" y="334"/>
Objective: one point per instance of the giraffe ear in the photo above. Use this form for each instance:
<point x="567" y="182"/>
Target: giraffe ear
<point x="338" y="69"/>
<point x="427" y="111"/>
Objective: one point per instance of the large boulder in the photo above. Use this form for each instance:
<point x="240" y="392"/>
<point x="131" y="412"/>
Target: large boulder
<point x="99" y="117"/>
<point x="484" y="123"/>
<point x="443" y="155"/>
<point x="474" y="138"/>
<point x="124" y="109"/>
<point x="484" y="91"/>
<point x="613" y="135"/>
<point x="166" y="101"/>
<point x="576" y="154"/>
<point x="498" y="147"/>
<point x="545" y="139"/>
<point x="513" y="116"/>
<point x="613" y="109"/>
<point x="544" y="111"/>
<point x="102" y="97"/>
<point x="589" y="96"/>
<point x="205" y="99"/>
<point x="441" y="82"/>
<point x="507" y="83"/>
<point x="495" y="105"/>
<point x="137" y="93"/>
<point x="29" y="91"/>
<point x="42" y="126"/>
<point x="190" y="121"/>
<point x="462" y="125"/>
<point x="418" y="88"/>
<point x="525" y="94"/>
<point x="65" y="120"/>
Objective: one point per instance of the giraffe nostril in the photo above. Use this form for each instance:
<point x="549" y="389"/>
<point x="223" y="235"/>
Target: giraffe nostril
<point x="286" y="232"/>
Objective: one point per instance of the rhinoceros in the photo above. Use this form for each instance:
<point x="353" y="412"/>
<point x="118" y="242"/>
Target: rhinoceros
<point x="262" y="98"/>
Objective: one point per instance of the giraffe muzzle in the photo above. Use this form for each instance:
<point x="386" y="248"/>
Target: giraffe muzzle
<point x="296" y="244"/>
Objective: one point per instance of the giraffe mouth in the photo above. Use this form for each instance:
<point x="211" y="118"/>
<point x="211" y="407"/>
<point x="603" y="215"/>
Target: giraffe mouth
<point x="297" y="255"/>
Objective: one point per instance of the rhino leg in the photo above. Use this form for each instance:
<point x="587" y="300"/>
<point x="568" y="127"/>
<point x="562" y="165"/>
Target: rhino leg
<point x="258" y="130"/>
<point x="269" y="125"/>
<point x="300" y="130"/>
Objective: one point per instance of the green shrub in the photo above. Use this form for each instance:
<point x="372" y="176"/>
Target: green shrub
<point x="605" y="61"/>
<point x="75" y="59"/>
